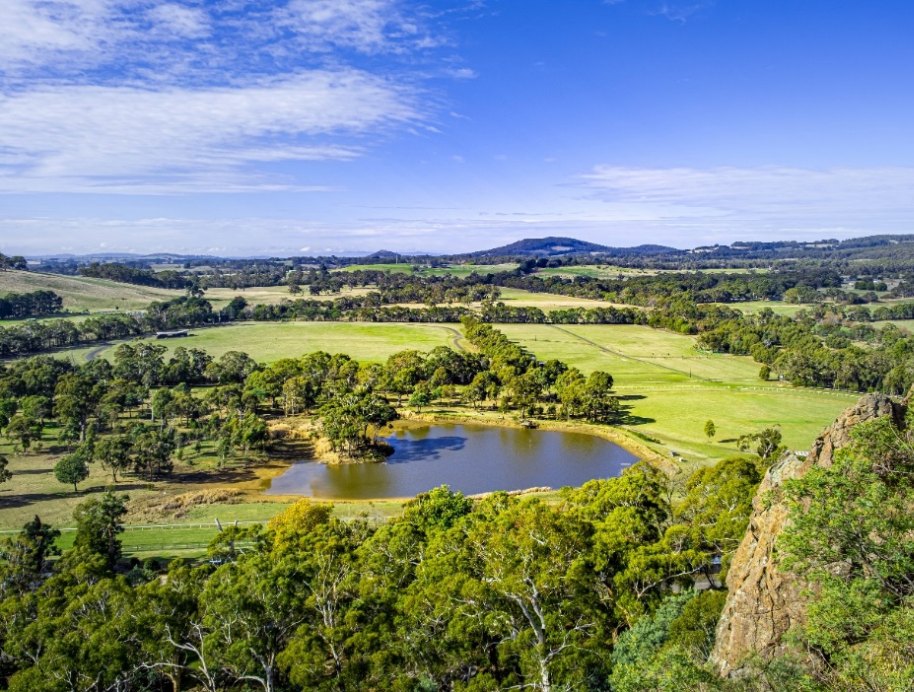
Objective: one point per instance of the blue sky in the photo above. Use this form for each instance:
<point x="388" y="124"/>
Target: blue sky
<point x="239" y="127"/>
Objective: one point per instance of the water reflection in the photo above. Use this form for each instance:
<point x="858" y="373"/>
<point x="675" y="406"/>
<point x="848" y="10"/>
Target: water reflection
<point x="423" y="448"/>
<point x="473" y="459"/>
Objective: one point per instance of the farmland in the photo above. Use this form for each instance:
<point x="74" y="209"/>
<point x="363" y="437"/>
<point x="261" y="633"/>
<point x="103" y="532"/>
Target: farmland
<point x="459" y="270"/>
<point x="672" y="390"/>
<point x="269" y="341"/>
<point x="83" y="294"/>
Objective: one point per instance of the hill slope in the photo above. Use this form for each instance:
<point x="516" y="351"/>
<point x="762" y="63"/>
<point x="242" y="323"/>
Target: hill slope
<point x="81" y="293"/>
<point x="552" y="246"/>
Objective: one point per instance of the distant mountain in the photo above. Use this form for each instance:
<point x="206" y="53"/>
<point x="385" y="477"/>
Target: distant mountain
<point x="386" y="255"/>
<point x="552" y="246"/>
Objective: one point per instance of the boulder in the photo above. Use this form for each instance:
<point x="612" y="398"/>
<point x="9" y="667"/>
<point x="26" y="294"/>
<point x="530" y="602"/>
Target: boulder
<point x="763" y="602"/>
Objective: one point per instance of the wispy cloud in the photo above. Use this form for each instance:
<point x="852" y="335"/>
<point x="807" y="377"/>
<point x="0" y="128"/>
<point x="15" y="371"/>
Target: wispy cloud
<point x="100" y="138"/>
<point x="119" y="37"/>
<point x="766" y="191"/>
<point x="158" y="96"/>
<point x="681" y="11"/>
<point x="674" y="10"/>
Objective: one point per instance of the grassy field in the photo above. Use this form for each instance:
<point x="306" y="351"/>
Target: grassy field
<point x="81" y="294"/>
<point x="609" y="271"/>
<point x="904" y="324"/>
<point x="270" y="295"/>
<point x="777" y="306"/>
<point x="34" y="490"/>
<point x="515" y="297"/>
<point x="269" y="341"/>
<point x="456" y="270"/>
<point x="670" y="390"/>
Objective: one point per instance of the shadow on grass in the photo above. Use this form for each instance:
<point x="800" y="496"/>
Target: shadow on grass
<point x="626" y="417"/>
<point x="214" y="476"/>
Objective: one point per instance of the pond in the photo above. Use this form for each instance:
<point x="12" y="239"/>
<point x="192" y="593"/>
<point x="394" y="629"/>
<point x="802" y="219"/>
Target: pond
<point x="469" y="458"/>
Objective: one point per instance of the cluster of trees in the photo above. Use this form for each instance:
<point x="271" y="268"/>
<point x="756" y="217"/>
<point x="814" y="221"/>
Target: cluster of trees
<point x="515" y="379"/>
<point x="32" y="304"/>
<point x="700" y="287"/>
<point x="362" y="309"/>
<point x="455" y="594"/>
<point x="14" y="262"/>
<point x="792" y="349"/>
<point x="136" y="415"/>
<point x="397" y="287"/>
<point x="184" y="311"/>
<point x="123" y="273"/>
<point x="349" y="396"/>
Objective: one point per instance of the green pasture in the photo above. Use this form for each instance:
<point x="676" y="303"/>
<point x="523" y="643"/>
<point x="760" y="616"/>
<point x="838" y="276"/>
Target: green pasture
<point x="271" y="295"/>
<point x="609" y="271"/>
<point x="779" y="307"/>
<point x="515" y="297"/>
<point x="670" y="390"/>
<point x="269" y="341"/>
<point x="460" y="270"/>
<point x="82" y="294"/>
<point x="904" y="324"/>
<point x="189" y="536"/>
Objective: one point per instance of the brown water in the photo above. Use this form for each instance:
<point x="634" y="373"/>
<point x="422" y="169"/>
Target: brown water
<point x="470" y="458"/>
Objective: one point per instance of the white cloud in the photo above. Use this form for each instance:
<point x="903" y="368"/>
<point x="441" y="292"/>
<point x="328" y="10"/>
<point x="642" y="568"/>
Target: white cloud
<point x="29" y="28"/>
<point x="72" y="35"/>
<point x="189" y="22"/>
<point x="462" y="73"/>
<point x="365" y="25"/>
<point x="763" y="192"/>
<point x="159" y="96"/>
<point x="130" y="139"/>
<point x="682" y="11"/>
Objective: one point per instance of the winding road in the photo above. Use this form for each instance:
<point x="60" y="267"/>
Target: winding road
<point x="457" y="337"/>
<point x="97" y="351"/>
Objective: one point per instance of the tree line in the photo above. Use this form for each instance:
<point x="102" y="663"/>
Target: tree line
<point x="115" y="271"/>
<point x="15" y="262"/>
<point x="32" y="304"/>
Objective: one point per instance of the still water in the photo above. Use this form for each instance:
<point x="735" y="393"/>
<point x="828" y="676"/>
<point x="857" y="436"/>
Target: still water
<point x="470" y="458"/>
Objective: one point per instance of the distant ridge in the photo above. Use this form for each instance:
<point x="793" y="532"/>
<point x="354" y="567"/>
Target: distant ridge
<point x="552" y="246"/>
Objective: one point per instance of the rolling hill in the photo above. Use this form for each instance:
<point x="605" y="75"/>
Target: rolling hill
<point x="553" y="246"/>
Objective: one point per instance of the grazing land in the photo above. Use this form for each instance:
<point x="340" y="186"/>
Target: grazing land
<point x="671" y="390"/>
<point x="779" y="307"/>
<point x="270" y="295"/>
<point x="83" y="294"/>
<point x="515" y="297"/>
<point x="267" y="342"/>
<point x="34" y="490"/>
<point x="459" y="270"/>
<point x="608" y="271"/>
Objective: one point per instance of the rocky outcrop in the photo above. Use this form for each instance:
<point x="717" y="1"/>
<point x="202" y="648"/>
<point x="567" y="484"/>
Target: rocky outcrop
<point x="763" y="602"/>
